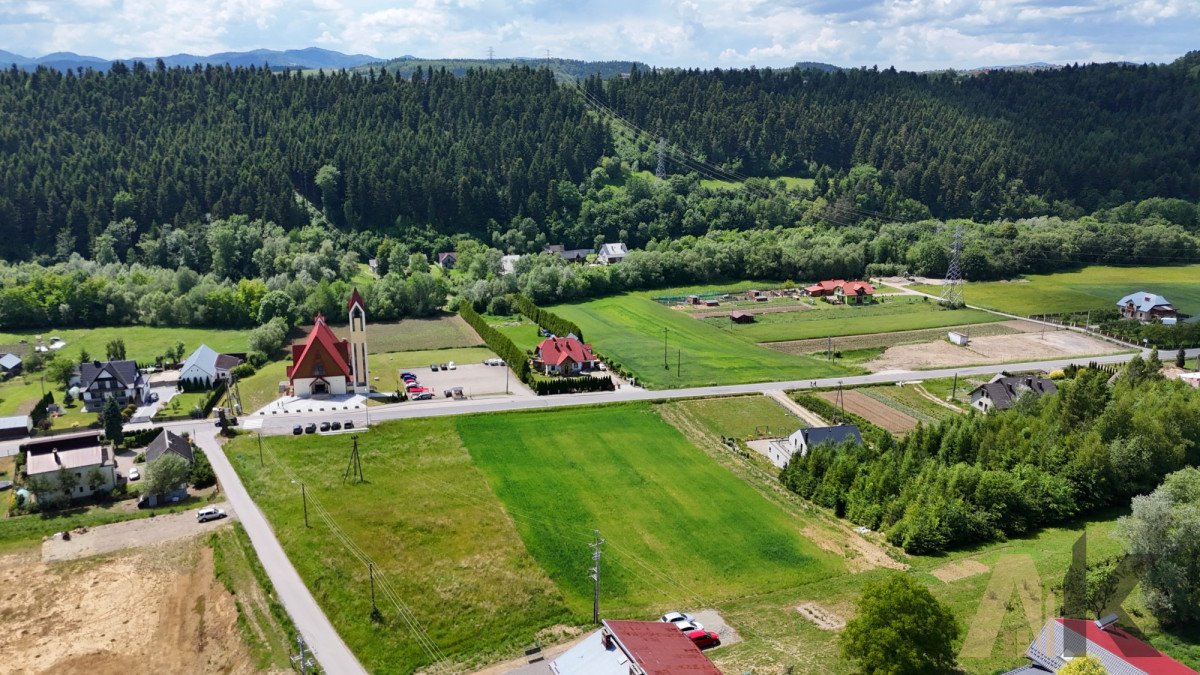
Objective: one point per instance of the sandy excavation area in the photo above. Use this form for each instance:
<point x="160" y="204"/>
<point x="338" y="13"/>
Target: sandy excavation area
<point x="156" y="609"/>
<point x="1025" y="346"/>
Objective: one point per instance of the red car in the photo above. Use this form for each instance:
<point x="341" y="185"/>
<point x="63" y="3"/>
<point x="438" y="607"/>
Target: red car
<point x="704" y="638"/>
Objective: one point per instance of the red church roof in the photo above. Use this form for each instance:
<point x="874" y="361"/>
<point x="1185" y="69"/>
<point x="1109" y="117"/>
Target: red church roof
<point x="355" y="298"/>
<point x="321" y="346"/>
<point x="555" y="350"/>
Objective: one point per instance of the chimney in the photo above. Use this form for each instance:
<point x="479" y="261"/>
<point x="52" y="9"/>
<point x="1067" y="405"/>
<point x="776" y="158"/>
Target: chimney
<point x="96" y="363"/>
<point x="57" y="460"/>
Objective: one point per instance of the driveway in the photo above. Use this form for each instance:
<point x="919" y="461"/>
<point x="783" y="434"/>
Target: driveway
<point x="140" y="532"/>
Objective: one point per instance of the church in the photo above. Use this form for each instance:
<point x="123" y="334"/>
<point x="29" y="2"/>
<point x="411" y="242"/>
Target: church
<point x="326" y="366"/>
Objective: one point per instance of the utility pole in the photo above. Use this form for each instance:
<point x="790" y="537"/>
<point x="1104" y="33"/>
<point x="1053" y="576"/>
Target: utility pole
<point x="595" y="546"/>
<point x="666" y="366"/>
<point x="304" y="497"/>
<point x="679" y="363"/>
<point x="954" y="390"/>
<point x="661" y="171"/>
<point x="507" y="370"/>
<point x="371" y="571"/>
<point x="841" y="403"/>
<point x="829" y="348"/>
<point x="952" y="292"/>
<point x="304" y="658"/>
<point x="260" y="455"/>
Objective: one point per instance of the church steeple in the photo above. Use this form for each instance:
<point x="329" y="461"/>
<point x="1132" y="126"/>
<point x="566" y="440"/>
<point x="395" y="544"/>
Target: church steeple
<point x="360" y="374"/>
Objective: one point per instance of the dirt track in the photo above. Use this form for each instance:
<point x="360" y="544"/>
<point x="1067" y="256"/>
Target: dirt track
<point x="154" y="609"/>
<point x="873" y="411"/>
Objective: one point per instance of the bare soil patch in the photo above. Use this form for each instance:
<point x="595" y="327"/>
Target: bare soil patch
<point x="993" y="349"/>
<point x="852" y="342"/>
<point x="873" y="411"/>
<point x="755" y="309"/>
<point x="959" y="570"/>
<point x="861" y="554"/>
<point x="156" y="609"/>
<point x="824" y="618"/>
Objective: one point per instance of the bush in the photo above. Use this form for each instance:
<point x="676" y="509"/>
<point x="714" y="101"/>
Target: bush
<point x="257" y="359"/>
<point x="140" y="459"/>
<point x="243" y="370"/>
<point x="269" y="337"/>
<point x="570" y="385"/>
<point x="202" y="474"/>
<point x="500" y="306"/>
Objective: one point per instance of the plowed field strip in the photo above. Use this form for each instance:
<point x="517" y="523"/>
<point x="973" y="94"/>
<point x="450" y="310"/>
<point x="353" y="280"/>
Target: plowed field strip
<point x="873" y="411"/>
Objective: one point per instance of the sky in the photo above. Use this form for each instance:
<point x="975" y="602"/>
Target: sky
<point x="908" y="34"/>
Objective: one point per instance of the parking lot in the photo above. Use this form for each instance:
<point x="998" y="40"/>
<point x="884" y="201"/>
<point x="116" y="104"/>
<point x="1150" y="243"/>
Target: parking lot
<point x="476" y="380"/>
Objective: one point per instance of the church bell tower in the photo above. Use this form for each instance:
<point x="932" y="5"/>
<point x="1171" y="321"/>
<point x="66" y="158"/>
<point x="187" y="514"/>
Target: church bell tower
<point x="358" y="344"/>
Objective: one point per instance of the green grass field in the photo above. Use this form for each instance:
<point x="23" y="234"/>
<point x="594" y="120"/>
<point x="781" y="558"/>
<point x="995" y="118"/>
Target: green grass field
<point x="522" y="331"/>
<point x="425" y="514"/>
<point x="686" y="530"/>
<point x="1090" y="288"/>
<point x="744" y="417"/>
<point x="842" y="320"/>
<point x="443" y="332"/>
<point x="790" y="182"/>
<point x="628" y="330"/>
<point x="142" y="343"/>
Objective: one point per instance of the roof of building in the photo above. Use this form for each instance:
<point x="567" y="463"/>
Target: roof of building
<point x="660" y="648"/>
<point x="204" y="358"/>
<point x="9" y="361"/>
<point x="448" y="255"/>
<point x="1116" y="649"/>
<point x="125" y="372"/>
<point x="858" y="288"/>
<point x="836" y="435"/>
<point x="15" y="421"/>
<point x="355" y="298"/>
<point x="738" y="314"/>
<point x="555" y="350"/>
<point x="321" y="346"/>
<point x="227" y="361"/>
<point x="1004" y="390"/>
<point x="46" y="460"/>
<point x="611" y="250"/>
<point x="169" y="442"/>
<point x="1144" y="301"/>
<point x="508" y="263"/>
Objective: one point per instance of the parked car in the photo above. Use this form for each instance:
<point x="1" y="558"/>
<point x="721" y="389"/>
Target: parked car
<point x="311" y="428"/>
<point x="297" y="430"/>
<point x="417" y="389"/>
<point x="407" y="375"/>
<point x="687" y="626"/>
<point x="704" y="638"/>
<point x="414" y="387"/>
<point x="675" y="617"/>
<point x="134" y="474"/>
<point x="448" y="393"/>
<point x="335" y="425"/>
<point x="494" y="362"/>
<point x="442" y="366"/>
<point x="433" y="367"/>
<point x="348" y="425"/>
<point x="209" y="513"/>
<point x="154" y="397"/>
<point x="451" y="366"/>
<point x="423" y="396"/>
<point x="324" y="426"/>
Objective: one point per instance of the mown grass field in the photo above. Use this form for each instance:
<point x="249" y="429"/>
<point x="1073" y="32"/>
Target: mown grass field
<point x="628" y="330"/>
<point x="1096" y="287"/>
<point x="841" y="320"/>
<point x="789" y="182"/>
<point x="680" y="529"/>
<point x="426" y="515"/>
<point x="522" y="331"/>
<point x="744" y="417"/>
<point x="142" y="343"/>
<point x="443" y="332"/>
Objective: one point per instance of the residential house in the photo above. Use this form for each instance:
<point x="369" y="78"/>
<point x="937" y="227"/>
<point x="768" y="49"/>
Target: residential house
<point x="563" y="356"/>
<point x="611" y="253"/>
<point x="167" y="443"/>
<point x="1002" y="392"/>
<point x="741" y="317"/>
<point x="1147" y="307"/>
<point x="10" y="364"/>
<point x="72" y="457"/>
<point x="634" y="648"/>
<point x="805" y="439"/>
<point x="568" y="254"/>
<point x="447" y="260"/>
<point x="120" y="380"/>
<point x="1119" y="652"/>
<point x="205" y="367"/>
<point x="17" y="426"/>
<point x="508" y="263"/>
<point x="824" y="289"/>
<point x="855" y="293"/>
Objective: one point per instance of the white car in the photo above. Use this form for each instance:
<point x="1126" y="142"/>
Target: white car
<point x="688" y="626"/>
<point x="675" y="617"/>
<point x="209" y="513"/>
<point x="494" y="362"/>
<point x="451" y="366"/>
<point x="133" y="474"/>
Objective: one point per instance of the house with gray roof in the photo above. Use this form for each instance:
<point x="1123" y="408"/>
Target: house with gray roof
<point x="10" y="364"/>
<point x="121" y="380"/>
<point x="1146" y="306"/>
<point x="206" y="367"/>
<point x="612" y="253"/>
<point x="1002" y="392"/>
<point x="167" y="442"/>
<point x="780" y="452"/>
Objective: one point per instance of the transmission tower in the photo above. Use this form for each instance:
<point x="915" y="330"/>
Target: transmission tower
<point x="354" y="468"/>
<point x="952" y="292"/>
<point x="661" y="171"/>
<point x="491" y="53"/>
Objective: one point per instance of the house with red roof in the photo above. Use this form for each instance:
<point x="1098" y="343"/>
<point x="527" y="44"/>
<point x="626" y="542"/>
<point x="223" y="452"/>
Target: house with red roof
<point x="823" y="289"/>
<point x="563" y="356"/>
<point x="634" y="648"/>
<point x="1064" y="639"/>
<point x="855" y="293"/>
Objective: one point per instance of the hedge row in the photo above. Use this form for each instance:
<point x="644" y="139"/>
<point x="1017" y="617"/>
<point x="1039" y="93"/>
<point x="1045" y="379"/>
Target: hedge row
<point x="546" y="319"/>
<point x="871" y="433"/>
<point x="140" y="438"/>
<point x="497" y="342"/>
<point x="571" y="385"/>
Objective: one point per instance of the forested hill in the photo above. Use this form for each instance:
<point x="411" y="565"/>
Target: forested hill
<point x="170" y="146"/>
<point x="564" y="69"/>
<point x="1092" y="135"/>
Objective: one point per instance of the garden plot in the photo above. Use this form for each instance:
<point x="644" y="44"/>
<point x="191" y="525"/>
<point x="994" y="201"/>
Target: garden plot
<point x="872" y="410"/>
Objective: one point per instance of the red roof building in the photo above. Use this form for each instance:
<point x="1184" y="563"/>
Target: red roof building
<point x="1063" y="639"/>
<point x="855" y="292"/>
<point x="320" y="366"/>
<point x="563" y="356"/>
<point x="824" y="288"/>
<point x="624" y="647"/>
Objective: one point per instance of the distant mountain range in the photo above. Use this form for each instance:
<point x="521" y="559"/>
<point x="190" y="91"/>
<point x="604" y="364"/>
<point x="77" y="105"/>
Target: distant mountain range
<point x="310" y="58"/>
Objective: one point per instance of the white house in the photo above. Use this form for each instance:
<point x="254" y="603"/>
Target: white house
<point x="207" y="366"/>
<point x="77" y="459"/>
<point x="781" y="452"/>
<point x="612" y="253"/>
<point x="120" y="380"/>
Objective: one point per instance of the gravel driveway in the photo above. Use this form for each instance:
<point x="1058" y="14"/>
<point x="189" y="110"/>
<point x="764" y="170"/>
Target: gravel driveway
<point x="140" y="532"/>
